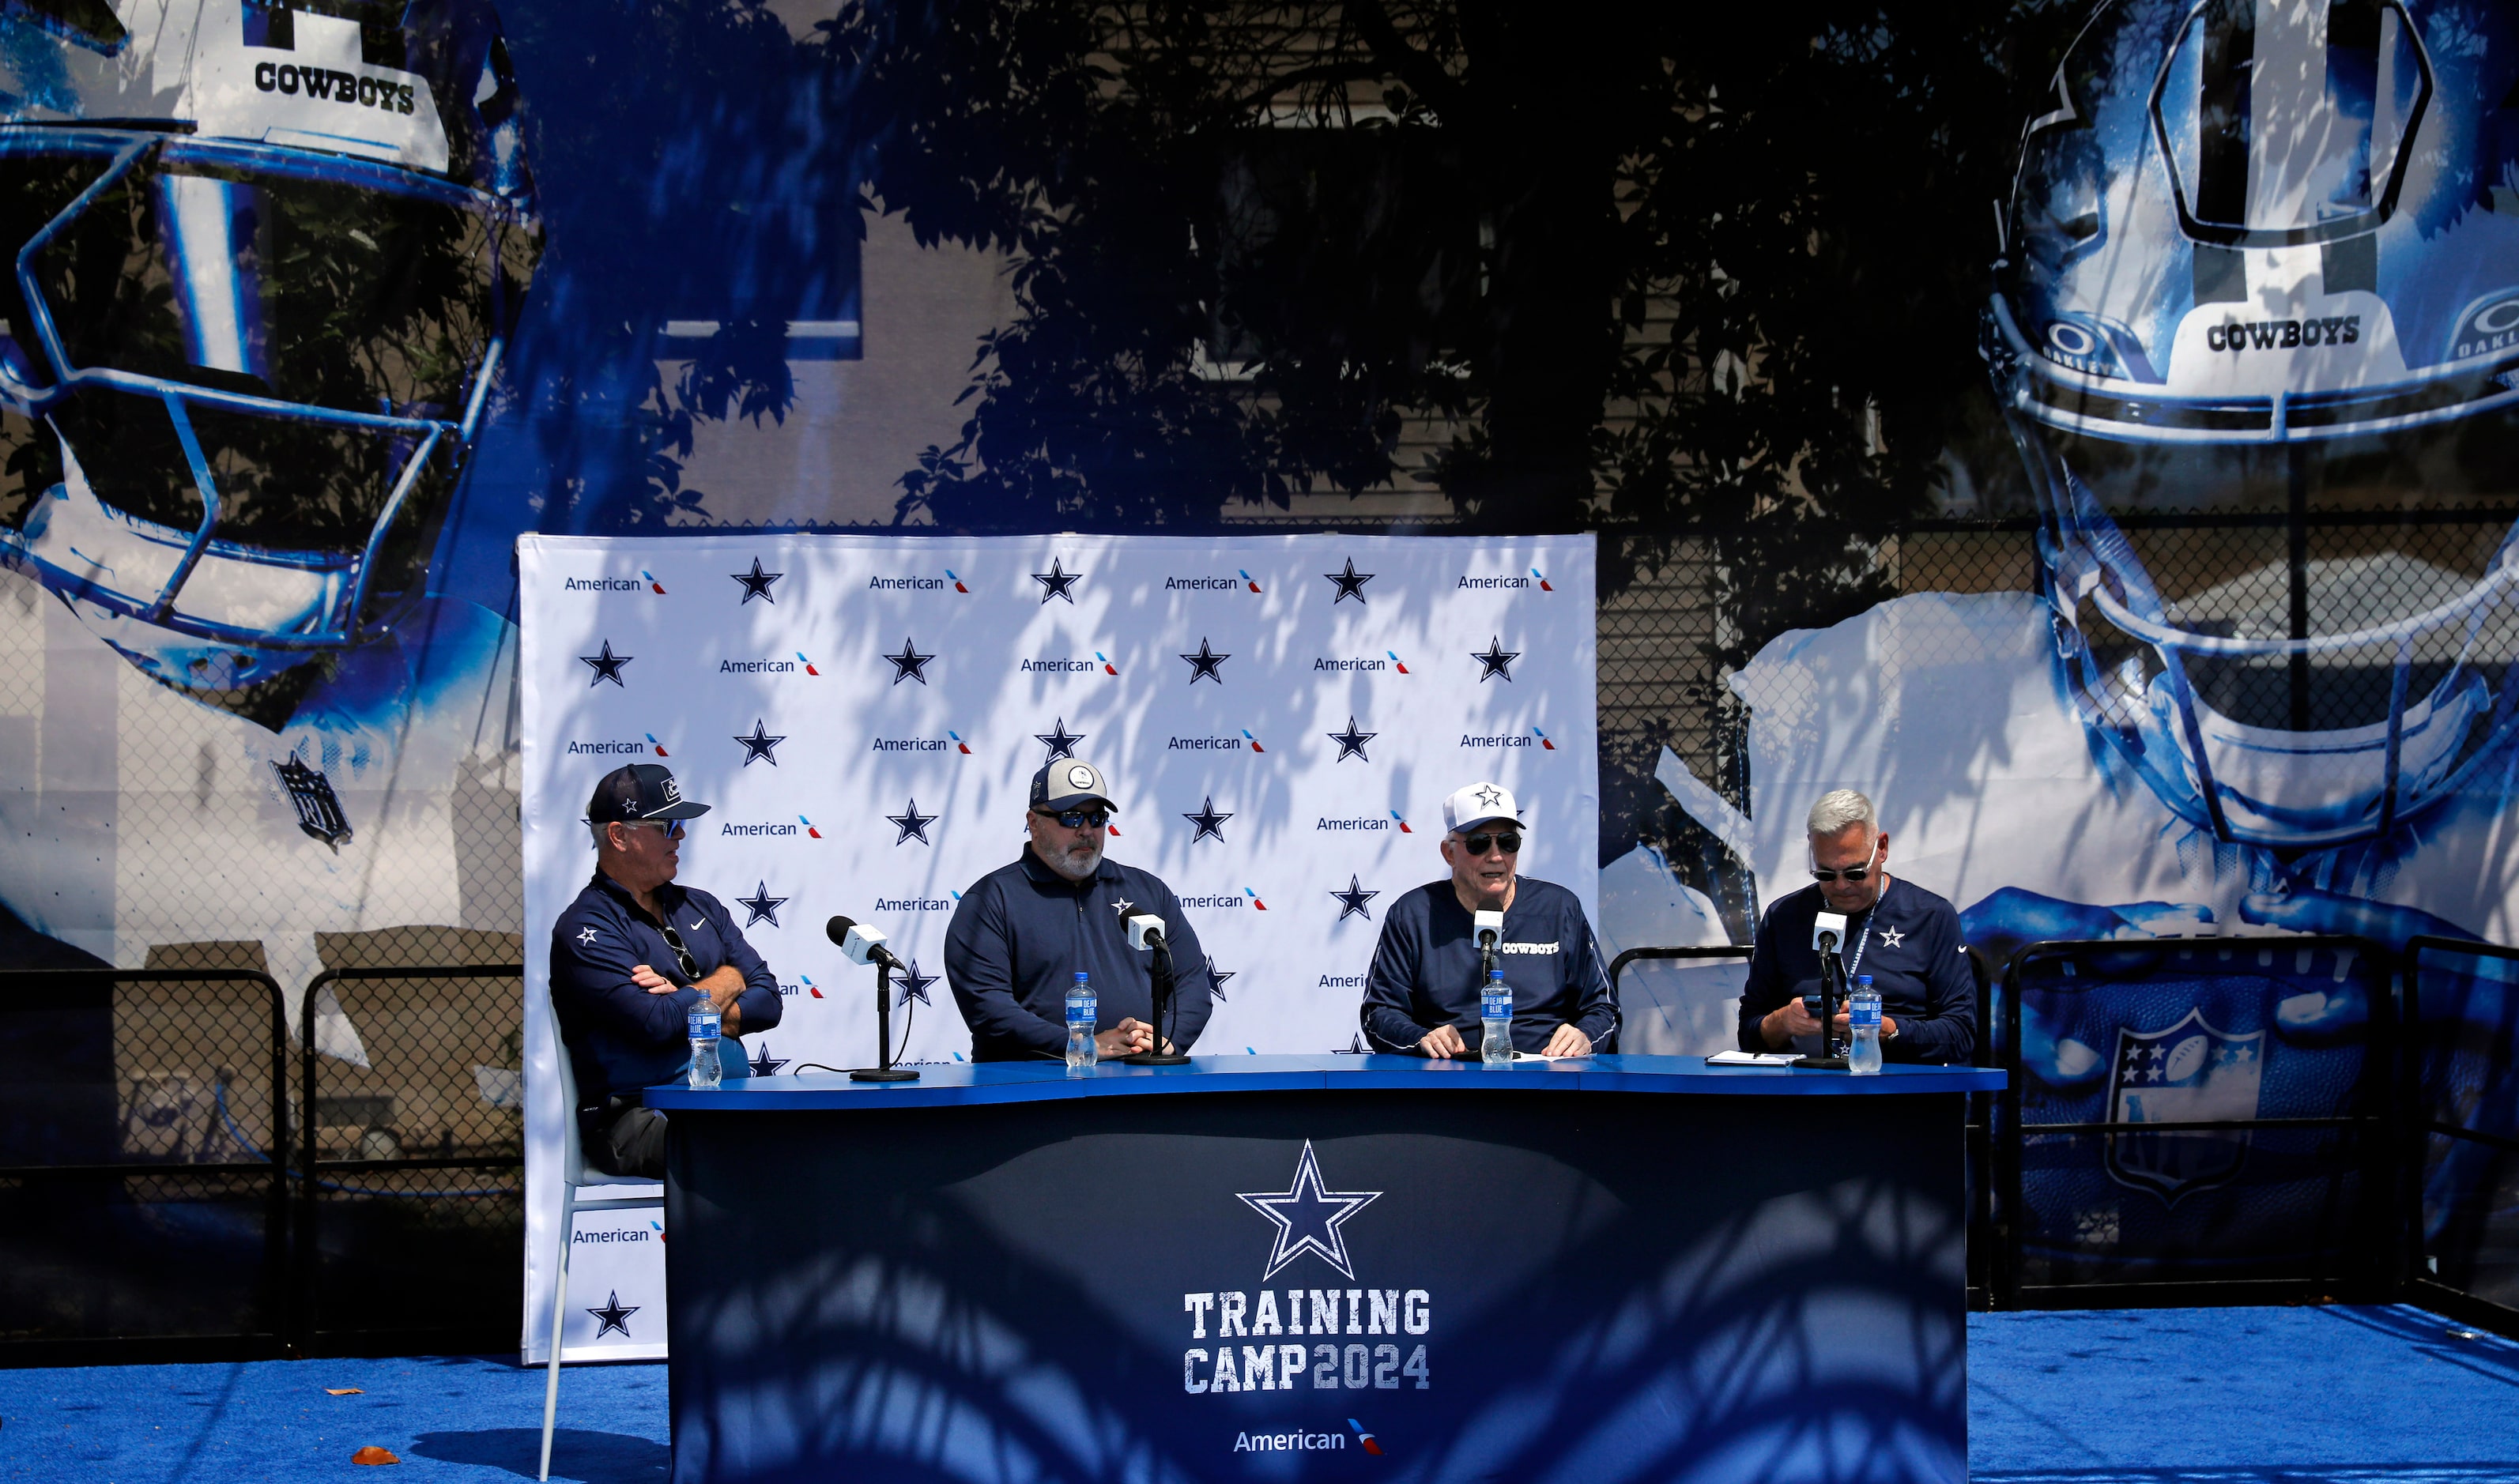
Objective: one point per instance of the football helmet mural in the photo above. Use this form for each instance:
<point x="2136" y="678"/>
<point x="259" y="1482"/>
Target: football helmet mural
<point x="2263" y="257"/>
<point x="263" y="263"/>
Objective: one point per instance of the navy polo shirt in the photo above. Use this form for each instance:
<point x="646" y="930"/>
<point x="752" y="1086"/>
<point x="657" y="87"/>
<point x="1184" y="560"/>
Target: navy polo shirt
<point x="1914" y="955"/>
<point x="619" y="1036"/>
<point x="1023" y="932"/>
<point x="1425" y="970"/>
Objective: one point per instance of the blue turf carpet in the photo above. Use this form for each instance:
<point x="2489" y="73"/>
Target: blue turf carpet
<point x="2165" y="1396"/>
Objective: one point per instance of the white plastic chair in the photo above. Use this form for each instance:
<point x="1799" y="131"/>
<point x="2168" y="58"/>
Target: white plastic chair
<point x="574" y="1173"/>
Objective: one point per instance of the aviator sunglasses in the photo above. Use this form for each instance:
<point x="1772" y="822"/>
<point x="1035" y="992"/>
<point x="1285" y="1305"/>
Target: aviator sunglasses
<point x="681" y="955"/>
<point x="1480" y="844"/>
<point x="1850" y="873"/>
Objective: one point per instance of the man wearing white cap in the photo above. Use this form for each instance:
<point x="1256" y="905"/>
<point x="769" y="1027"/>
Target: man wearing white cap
<point x="1427" y="969"/>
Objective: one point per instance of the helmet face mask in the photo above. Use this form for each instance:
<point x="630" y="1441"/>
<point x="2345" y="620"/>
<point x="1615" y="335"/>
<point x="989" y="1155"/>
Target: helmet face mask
<point x="2248" y="281"/>
<point x="258" y="364"/>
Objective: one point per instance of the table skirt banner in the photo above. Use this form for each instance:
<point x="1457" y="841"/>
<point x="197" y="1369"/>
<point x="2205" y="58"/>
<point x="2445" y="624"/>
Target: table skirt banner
<point x="1446" y="1285"/>
<point x="1280" y="718"/>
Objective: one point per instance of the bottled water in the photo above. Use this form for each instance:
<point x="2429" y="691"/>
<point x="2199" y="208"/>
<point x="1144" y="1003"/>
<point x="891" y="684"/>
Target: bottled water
<point x="706" y="1026"/>
<point x="1081" y="1005"/>
<point x="1863" y="1018"/>
<point x="1495" y="1021"/>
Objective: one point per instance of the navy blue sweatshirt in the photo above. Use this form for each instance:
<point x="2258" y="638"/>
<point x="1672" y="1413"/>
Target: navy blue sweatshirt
<point x="1425" y="970"/>
<point x="1023" y="932"/>
<point x="619" y="1036"/>
<point x="1914" y="955"/>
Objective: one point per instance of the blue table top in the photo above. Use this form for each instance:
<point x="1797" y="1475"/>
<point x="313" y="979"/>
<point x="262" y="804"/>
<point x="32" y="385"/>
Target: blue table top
<point x="954" y="1083"/>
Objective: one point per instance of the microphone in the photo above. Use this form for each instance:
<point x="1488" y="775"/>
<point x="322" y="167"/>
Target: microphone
<point x="1146" y="932"/>
<point x="1827" y="929"/>
<point x="862" y="944"/>
<point x="1489" y="925"/>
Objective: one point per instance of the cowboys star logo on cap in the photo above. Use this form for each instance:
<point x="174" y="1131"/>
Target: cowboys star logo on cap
<point x="1477" y="804"/>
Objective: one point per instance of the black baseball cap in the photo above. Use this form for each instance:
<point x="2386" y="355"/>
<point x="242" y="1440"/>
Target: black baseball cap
<point x="1063" y="783"/>
<point x="640" y="791"/>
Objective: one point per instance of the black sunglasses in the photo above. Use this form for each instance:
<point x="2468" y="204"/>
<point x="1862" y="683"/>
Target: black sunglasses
<point x="1079" y="819"/>
<point x="1852" y="873"/>
<point x="1479" y="844"/>
<point x="681" y="955"/>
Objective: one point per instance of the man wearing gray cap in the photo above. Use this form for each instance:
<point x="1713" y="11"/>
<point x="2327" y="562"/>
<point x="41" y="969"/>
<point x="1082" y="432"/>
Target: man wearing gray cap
<point x="1422" y="995"/>
<point x="631" y="956"/>
<point x="1025" y="930"/>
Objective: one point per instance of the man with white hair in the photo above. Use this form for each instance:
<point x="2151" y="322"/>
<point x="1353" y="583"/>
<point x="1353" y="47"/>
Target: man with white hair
<point x="1906" y="939"/>
<point x="1422" y="995"/>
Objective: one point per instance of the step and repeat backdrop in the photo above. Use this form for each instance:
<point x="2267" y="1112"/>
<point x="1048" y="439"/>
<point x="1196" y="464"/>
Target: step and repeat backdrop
<point x="1280" y="718"/>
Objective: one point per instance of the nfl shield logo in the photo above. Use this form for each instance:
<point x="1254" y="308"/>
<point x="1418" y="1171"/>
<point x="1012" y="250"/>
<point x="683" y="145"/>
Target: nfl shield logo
<point x="2187" y="1074"/>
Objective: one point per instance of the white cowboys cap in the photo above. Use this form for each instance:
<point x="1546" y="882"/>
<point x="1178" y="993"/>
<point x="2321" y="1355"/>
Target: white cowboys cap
<point x="1477" y="804"/>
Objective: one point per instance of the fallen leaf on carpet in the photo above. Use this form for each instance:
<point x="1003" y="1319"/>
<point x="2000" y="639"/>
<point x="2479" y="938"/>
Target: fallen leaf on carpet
<point x="343" y="1391"/>
<point x="372" y="1455"/>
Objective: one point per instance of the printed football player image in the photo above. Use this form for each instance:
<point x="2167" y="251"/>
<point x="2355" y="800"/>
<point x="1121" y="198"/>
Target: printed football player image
<point x="2260" y="259"/>
<point x="266" y="266"/>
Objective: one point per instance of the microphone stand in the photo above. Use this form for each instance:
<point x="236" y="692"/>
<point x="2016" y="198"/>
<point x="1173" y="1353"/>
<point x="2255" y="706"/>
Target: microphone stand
<point x="1832" y="985"/>
<point x="1162" y="974"/>
<point x="883" y="1071"/>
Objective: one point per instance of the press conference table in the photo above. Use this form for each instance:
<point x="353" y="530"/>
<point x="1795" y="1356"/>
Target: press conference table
<point x="1321" y="1267"/>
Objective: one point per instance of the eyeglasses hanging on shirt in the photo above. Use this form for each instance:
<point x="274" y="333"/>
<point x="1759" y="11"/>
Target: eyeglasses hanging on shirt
<point x="681" y="955"/>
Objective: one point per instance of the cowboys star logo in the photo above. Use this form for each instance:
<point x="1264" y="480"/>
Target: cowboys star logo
<point x="762" y="906"/>
<point x="1056" y="582"/>
<point x="1891" y="937"/>
<point x="1496" y="661"/>
<point x="909" y="663"/>
<point x="756" y="582"/>
<point x="911" y="824"/>
<point x="1351" y="583"/>
<point x="764" y="1065"/>
<point x="1309" y="1216"/>
<point x="1352" y="900"/>
<point x="1351" y="742"/>
<point x="1059" y="740"/>
<point x="1209" y="820"/>
<point x="608" y="665"/>
<point x="757" y="748"/>
<point x="615" y="1315"/>
<point x="1203" y="666"/>
<point x="913" y="987"/>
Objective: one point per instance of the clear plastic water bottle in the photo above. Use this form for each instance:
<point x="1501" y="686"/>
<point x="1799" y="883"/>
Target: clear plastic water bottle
<point x="1081" y="1006"/>
<point x="706" y="1027"/>
<point x="1495" y="1021"/>
<point x="1863" y="1018"/>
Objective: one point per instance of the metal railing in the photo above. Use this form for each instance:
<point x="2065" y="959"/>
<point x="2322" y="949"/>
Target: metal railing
<point x="437" y="1046"/>
<point x="159" y="1133"/>
<point x="2367" y="1123"/>
<point x="143" y="1176"/>
<point x="2456" y="1045"/>
<point x="176" y="1184"/>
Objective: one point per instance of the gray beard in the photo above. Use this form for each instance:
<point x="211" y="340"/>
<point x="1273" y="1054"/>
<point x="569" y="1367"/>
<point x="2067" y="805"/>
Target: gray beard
<point x="1064" y="865"/>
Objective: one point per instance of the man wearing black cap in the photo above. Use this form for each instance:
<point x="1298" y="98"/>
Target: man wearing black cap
<point x="1024" y="930"/>
<point x="631" y="956"/>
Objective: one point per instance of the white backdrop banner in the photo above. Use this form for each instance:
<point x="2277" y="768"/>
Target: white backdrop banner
<point x="1280" y="716"/>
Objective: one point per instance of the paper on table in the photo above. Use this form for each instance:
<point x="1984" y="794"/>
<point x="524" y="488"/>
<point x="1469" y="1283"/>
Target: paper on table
<point x="1750" y="1059"/>
<point x="1531" y="1055"/>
